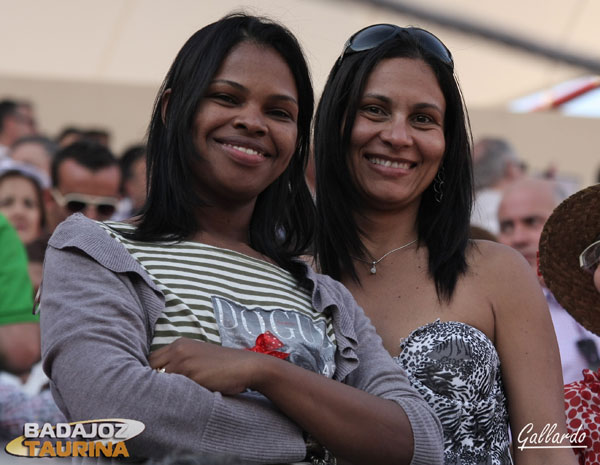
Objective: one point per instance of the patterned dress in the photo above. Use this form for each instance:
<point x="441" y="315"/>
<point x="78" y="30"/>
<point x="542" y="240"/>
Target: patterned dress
<point x="457" y="370"/>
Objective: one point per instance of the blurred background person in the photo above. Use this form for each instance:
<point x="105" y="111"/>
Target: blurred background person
<point x="71" y="134"/>
<point x="133" y="184"/>
<point x="100" y="135"/>
<point x="524" y="209"/>
<point x="21" y="201"/>
<point x="37" y="151"/>
<point x="68" y="135"/>
<point x="15" y="123"/>
<point x="27" y="113"/>
<point x="495" y="165"/>
<point x="86" y="178"/>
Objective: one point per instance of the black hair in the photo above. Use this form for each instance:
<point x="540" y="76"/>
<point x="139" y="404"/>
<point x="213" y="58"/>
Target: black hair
<point x="7" y="108"/>
<point x="282" y="223"/>
<point x="67" y="131"/>
<point x="442" y="227"/>
<point x="90" y="154"/>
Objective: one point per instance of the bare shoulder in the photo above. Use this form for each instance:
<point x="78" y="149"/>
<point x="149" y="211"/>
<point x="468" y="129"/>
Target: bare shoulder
<point x="491" y="257"/>
<point x="504" y="274"/>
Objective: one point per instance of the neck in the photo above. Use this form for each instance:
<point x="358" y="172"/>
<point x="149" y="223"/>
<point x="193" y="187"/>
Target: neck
<point x="224" y="226"/>
<point x="386" y="230"/>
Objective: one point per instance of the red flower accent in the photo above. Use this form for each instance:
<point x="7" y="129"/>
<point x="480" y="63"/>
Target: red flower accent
<point x="267" y="343"/>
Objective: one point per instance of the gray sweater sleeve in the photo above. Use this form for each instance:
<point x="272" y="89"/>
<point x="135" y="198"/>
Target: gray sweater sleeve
<point x="94" y="344"/>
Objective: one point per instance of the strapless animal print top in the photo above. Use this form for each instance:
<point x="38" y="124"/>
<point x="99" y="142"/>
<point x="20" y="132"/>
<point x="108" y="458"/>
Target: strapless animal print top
<point x="457" y="370"/>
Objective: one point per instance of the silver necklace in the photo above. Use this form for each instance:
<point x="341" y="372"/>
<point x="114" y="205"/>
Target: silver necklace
<point x="374" y="263"/>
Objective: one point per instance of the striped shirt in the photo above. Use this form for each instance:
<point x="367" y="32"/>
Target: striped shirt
<point x="225" y="297"/>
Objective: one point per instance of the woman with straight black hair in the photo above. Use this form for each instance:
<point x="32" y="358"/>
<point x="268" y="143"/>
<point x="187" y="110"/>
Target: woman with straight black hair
<point x="466" y="319"/>
<point x="198" y="318"/>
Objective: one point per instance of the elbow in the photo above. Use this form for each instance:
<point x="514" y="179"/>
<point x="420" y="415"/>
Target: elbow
<point x="425" y="443"/>
<point x="428" y="445"/>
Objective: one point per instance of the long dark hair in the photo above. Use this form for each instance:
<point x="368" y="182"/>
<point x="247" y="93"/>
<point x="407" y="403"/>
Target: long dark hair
<point x="282" y="224"/>
<point x="442" y="227"/>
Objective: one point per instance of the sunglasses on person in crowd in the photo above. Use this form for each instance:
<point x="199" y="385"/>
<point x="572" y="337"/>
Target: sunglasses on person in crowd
<point x="75" y="202"/>
<point x="375" y="35"/>
<point x="590" y="257"/>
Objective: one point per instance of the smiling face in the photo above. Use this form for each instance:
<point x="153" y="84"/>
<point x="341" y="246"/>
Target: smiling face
<point x="397" y="141"/>
<point x="246" y="125"/>
<point x="20" y="203"/>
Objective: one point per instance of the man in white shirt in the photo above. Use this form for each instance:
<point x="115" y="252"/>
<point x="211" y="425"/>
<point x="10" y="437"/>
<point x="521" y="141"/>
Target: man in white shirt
<point x="523" y="211"/>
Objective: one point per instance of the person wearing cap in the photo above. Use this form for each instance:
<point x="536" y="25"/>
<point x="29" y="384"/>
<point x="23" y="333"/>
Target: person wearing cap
<point x="36" y="151"/>
<point x="569" y="259"/>
<point x="525" y="207"/>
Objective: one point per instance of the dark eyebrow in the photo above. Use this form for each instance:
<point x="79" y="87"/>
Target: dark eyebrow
<point x="379" y="97"/>
<point x="418" y="106"/>
<point x="237" y="85"/>
<point x="242" y="88"/>
<point x="424" y="105"/>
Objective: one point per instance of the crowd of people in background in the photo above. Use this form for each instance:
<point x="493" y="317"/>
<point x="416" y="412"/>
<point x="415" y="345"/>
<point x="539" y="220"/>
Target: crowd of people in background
<point x="44" y="179"/>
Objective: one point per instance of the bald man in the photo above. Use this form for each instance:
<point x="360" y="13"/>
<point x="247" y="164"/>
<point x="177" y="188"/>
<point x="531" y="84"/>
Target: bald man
<point x="525" y="206"/>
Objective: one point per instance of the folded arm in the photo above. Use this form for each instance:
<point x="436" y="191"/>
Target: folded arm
<point x="95" y="339"/>
<point x="364" y="421"/>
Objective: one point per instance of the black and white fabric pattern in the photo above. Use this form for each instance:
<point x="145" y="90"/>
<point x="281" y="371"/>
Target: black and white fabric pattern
<point x="457" y="370"/>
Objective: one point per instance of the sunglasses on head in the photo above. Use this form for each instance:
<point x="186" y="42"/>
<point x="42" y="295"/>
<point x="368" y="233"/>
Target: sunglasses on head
<point x="375" y="35"/>
<point x="590" y="257"/>
<point x="74" y="202"/>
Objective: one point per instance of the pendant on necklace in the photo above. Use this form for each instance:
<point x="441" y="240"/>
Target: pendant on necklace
<point x="373" y="269"/>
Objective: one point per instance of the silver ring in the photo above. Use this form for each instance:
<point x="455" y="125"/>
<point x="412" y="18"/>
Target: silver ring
<point x="161" y="370"/>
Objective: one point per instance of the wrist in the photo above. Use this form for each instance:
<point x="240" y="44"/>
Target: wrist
<point x="264" y="370"/>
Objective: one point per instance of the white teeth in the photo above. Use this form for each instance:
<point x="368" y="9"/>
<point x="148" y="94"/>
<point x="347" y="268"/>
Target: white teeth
<point x="388" y="163"/>
<point x="247" y="150"/>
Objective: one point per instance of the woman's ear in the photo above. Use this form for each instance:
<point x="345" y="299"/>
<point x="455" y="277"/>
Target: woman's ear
<point x="164" y="104"/>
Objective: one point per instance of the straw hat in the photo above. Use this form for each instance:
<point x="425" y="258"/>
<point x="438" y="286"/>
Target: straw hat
<point x="573" y="225"/>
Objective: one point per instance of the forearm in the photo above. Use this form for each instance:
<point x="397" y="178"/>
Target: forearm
<point x="352" y="424"/>
<point x="19" y="347"/>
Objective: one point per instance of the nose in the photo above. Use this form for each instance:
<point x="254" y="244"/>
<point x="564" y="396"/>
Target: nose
<point x="17" y="210"/>
<point x="251" y="119"/>
<point x="396" y="132"/>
